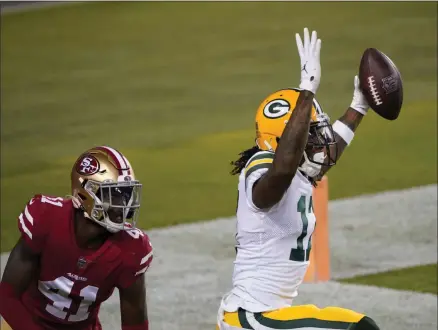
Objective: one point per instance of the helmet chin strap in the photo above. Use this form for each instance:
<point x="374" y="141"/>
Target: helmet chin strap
<point x="76" y="202"/>
<point x="109" y="225"/>
<point x="268" y="145"/>
<point x="112" y="227"/>
<point x="310" y="168"/>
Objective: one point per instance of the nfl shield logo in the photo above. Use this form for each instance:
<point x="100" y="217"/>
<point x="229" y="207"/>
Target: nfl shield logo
<point x="82" y="262"/>
<point x="389" y="84"/>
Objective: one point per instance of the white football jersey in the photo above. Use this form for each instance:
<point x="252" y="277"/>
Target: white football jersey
<point x="273" y="246"/>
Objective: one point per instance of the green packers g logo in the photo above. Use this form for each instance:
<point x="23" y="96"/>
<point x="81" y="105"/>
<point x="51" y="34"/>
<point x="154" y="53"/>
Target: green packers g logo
<point x="276" y="108"/>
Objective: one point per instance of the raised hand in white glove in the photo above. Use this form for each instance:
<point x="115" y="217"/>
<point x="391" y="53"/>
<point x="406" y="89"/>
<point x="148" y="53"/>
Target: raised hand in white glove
<point x="359" y="102"/>
<point x="310" y="64"/>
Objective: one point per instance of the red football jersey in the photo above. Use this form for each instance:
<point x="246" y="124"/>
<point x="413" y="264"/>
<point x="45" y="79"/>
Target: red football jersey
<point x="71" y="283"/>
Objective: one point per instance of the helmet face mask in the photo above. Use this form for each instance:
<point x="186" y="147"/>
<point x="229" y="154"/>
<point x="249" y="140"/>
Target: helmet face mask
<point x="272" y="117"/>
<point x="116" y="205"/>
<point x="321" y="138"/>
<point x="103" y="181"/>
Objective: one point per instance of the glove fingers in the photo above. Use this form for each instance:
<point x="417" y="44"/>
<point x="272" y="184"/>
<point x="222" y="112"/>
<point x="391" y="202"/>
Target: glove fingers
<point x="299" y="45"/>
<point x="318" y="49"/>
<point x="356" y="82"/>
<point x="306" y="41"/>
<point x="313" y="42"/>
<point x="310" y="65"/>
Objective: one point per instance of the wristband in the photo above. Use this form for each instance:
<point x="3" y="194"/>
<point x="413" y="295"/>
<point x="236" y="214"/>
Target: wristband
<point x="343" y="131"/>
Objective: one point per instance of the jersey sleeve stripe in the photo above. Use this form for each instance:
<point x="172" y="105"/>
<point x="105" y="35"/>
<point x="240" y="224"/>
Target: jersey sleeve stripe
<point x="261" y="155"/>
<point x="28" y="216"/>
<point x="257" y="167"/>
<point x="141" y="271"/>
<point x="23" y="226"/>
<point x="257" y="162"/>
<point x="146" y="258"/>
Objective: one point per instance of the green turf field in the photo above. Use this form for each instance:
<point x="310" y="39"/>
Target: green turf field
<point x="175" y="87"/>
<point x="419" y="278"/>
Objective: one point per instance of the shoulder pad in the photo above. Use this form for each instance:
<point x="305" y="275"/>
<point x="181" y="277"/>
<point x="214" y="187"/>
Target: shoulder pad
<point x="139" y="254"/>
<point x="260" y="160"/>
<point x="33" y="222"/>
<point x="140" y="250"/>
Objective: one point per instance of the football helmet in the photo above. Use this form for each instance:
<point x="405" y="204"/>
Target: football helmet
<point x="271" y="119"/>
<point x="104" y="187"/>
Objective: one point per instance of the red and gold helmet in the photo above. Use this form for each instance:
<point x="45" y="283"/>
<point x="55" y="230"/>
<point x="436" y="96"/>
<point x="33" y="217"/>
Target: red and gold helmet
<point x="103" y="182"/>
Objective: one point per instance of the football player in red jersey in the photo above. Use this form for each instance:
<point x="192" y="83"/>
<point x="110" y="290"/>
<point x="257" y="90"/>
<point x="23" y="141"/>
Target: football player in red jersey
<point x="73" y="252"/>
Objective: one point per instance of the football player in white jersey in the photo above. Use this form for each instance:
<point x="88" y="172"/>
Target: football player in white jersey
<point x="295" y="146"/>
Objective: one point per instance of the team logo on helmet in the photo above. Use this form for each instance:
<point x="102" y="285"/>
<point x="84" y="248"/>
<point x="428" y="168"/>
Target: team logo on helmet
<point x="87" y="165"/>
<point x="276" y="108"/>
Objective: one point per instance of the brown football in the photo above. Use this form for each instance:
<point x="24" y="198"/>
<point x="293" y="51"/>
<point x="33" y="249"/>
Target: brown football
<point x="381" y="83"/>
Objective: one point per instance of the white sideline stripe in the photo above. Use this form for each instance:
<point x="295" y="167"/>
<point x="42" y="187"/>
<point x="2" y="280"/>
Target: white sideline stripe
<point x="333" y="205"/>
<point x="28" y="216"/>
<point x="28" y="233"/>
<point x="146" y="258"/>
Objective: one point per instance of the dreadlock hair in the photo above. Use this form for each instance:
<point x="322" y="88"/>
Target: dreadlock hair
<point x="244" y="157"/>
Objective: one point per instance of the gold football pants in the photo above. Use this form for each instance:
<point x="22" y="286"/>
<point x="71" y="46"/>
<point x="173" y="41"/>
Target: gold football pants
<point x="308" y="317"/>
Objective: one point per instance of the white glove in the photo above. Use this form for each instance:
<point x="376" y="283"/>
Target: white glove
<point x="310" y="65"/>
<point x="359" y="102"/>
